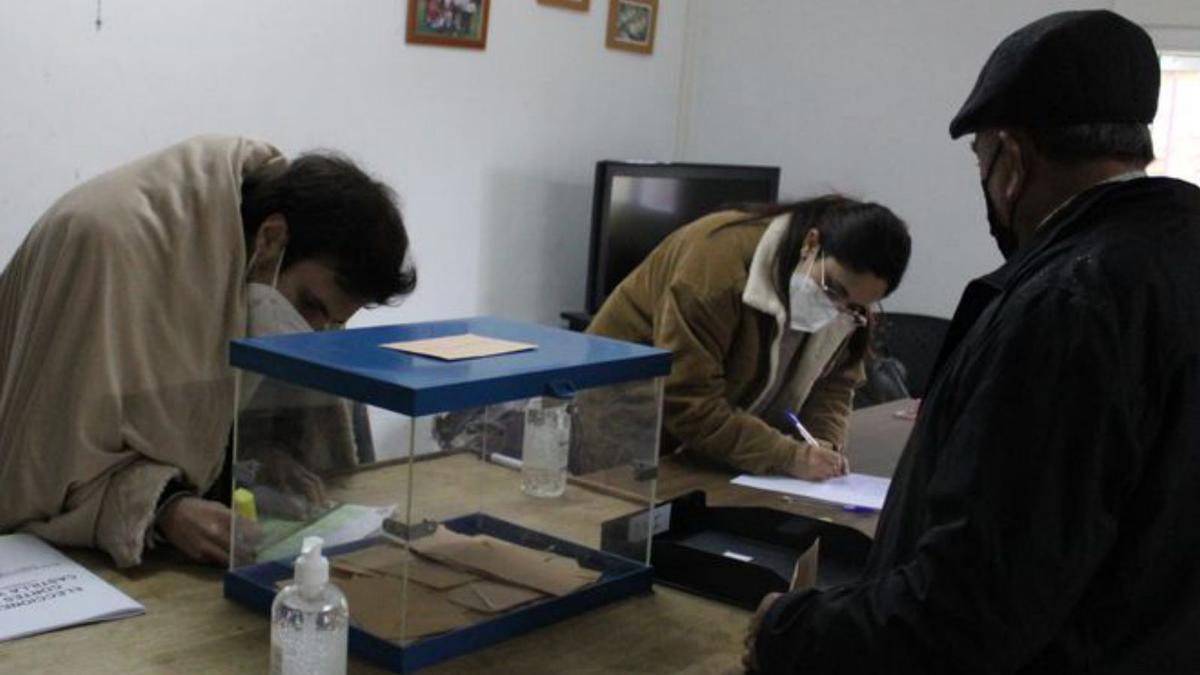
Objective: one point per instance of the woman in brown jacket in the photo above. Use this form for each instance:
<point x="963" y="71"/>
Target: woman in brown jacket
<point x="767" y="312"/>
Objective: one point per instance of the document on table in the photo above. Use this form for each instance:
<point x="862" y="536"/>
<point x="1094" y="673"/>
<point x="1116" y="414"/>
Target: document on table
<point x="43" y="590"/>
<point x="855" y="489"/>
<point x="342" y="524"/>
<point x="460" y="347"/>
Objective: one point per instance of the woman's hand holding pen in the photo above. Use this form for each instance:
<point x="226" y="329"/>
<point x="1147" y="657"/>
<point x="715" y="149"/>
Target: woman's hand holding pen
<point x="817" y="462"/>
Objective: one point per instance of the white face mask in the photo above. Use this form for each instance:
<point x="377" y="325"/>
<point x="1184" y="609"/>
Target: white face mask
<point x="268" y="312"/>
<point x="810" y="307"/>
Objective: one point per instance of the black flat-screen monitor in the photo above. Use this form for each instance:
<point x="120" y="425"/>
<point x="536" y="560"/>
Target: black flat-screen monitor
<point x="637" y="204"/>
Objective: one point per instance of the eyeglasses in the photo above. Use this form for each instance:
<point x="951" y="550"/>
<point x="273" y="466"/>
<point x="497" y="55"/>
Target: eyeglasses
<point x="859" y="315"/>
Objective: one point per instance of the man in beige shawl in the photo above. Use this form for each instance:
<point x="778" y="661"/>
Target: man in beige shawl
<point x="116" y="395"/>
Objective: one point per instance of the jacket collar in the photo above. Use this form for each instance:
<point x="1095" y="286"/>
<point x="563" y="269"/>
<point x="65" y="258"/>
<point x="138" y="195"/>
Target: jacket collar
<point x="1071" y="218"/>
<point x="1062" y="222"/>
<point x="1127" y="176"/>
<point x="760" y="292"/>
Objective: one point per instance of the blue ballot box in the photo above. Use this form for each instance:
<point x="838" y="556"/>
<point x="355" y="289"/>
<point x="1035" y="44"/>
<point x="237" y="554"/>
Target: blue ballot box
<point x="459" y="472"/>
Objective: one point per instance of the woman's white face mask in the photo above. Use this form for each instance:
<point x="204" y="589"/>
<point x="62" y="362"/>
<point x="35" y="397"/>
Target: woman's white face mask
<point x="810" y="306"/>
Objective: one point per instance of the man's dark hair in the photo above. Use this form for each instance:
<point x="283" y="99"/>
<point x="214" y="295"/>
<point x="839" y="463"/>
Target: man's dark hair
<point x="1086" y="142"/>
<point x="336" y="214"/>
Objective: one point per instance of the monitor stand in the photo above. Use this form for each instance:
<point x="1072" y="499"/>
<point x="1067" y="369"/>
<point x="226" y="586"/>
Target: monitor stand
<point x="577" y="321"/>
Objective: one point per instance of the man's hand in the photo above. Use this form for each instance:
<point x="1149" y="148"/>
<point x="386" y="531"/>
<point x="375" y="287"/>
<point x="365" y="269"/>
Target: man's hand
<point x="281" y="470"/>
<point x="817" y="462"/>
<point x="198" y="527"/>
<point x="749" y="658"/>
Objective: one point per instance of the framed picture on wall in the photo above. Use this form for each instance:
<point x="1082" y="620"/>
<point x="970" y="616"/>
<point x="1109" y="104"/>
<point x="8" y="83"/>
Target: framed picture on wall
<point x="449" y="23"/>
<point x="631" y="25"/>
<point x="577" y="5"/>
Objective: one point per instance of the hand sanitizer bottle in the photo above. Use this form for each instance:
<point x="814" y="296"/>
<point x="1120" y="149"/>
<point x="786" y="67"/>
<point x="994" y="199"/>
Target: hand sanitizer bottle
<point x="309" y="619"/>
<point x="546" y="447"/>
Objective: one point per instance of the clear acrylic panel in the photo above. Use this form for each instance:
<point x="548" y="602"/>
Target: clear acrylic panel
<point x="437" y="522"/>
<point x="297" y="456"/>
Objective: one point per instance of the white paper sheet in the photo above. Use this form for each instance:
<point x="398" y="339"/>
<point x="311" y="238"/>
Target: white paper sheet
<point x="855" y="489"/>
<point x="43" y="590"/>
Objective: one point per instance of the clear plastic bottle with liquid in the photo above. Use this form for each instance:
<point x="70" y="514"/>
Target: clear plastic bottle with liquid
<point x="309" y="619"/>
<point x="546" y="444"/>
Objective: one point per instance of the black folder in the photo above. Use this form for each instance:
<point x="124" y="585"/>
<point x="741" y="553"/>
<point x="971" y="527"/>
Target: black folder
<point x="734" y="555"/>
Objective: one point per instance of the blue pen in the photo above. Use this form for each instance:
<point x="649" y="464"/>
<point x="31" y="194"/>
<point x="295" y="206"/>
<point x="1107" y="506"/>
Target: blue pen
<point x="808" y="437"/>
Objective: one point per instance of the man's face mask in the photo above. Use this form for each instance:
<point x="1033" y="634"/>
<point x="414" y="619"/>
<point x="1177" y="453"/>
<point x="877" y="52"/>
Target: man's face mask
<point x="268" y="312"/>
<point x="1006" y="237"/>
<point x="811" y="308"/>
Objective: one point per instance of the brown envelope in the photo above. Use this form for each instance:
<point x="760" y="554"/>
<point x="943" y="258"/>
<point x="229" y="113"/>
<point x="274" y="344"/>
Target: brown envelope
<point x="375" y="606"/>
<point x="349" y="569"/>
<point x="804" y="575"/>
<point x="540" y="570"/>
<point x="389" y="560"/>
<point x="492" y="597"/>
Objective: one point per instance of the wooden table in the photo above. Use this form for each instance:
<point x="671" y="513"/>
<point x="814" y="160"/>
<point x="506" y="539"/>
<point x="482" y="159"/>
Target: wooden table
<point x="877" y="436"/>
<point x="189" y="627"/>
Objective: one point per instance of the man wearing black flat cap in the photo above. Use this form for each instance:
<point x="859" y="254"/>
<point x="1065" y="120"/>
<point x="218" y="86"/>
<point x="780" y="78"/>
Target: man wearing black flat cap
<point x="1045" y="515"/>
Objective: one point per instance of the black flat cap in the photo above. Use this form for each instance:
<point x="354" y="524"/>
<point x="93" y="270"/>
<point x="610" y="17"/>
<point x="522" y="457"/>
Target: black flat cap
<point x="1067" y="68"/>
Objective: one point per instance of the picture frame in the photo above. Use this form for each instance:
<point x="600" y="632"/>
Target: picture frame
<point x="577" y="5"/>
<point x="448" y="23"/>
<point x="631" y="25"/>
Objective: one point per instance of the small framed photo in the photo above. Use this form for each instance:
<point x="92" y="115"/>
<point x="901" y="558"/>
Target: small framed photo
<point x="577" y="5"/>
<point x="631" y="25"/>
<point x="449" y="23"/>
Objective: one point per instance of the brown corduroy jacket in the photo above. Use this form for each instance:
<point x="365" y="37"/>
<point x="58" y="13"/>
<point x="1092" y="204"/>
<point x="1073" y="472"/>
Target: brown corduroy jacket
<point x="706" y="293"/>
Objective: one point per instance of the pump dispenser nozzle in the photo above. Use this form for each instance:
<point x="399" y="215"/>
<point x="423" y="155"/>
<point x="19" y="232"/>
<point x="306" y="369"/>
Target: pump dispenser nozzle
<point x="312" y="569"/>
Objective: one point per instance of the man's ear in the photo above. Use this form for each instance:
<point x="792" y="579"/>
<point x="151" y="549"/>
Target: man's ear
<point x="269" y="242"/>
<point x="1012" y="154"/>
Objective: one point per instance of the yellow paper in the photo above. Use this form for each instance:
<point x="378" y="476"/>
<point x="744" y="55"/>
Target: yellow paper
<point x="459" y="347"/>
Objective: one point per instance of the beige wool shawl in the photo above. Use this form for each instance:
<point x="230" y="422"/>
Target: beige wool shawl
<point x="115" y="320"/>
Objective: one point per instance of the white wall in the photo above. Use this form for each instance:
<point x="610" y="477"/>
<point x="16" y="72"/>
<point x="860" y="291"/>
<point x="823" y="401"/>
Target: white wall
<point x="1166" y="13"/>
<point x="856" y="96"/>
<point x="492" y="152"/>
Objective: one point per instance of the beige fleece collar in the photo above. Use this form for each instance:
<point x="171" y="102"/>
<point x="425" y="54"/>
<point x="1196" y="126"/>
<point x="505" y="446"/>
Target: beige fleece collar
<point x="760" y="292"/>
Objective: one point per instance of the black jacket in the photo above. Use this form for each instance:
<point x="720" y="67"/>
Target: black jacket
<point x="1045" y="515"/>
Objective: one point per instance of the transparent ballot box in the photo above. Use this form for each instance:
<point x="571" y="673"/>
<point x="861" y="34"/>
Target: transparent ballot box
<point x="460" y="495"/>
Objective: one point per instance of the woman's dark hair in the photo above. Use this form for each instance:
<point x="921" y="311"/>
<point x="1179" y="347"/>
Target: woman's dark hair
<point x="339" y="215"/>
<point x="863" y="236"/>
